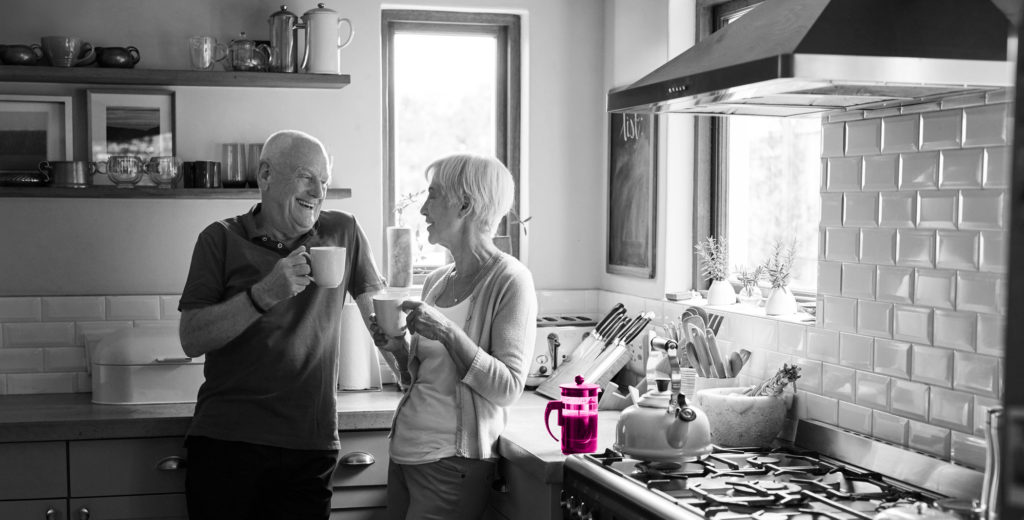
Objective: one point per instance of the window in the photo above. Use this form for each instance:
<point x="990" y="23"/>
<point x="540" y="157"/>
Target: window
<point x="760" y="178"/>
<point x="451" y="85"/>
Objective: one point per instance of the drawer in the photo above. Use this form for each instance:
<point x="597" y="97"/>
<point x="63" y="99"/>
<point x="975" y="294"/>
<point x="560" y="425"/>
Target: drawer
<point x="127" y="466"/>
<point x="358" y="514"/>
<point x="354" y="469"/>
<point x="358" y="497"/>
<point x="34" y="509"/>
<point x="33" y="470"/>
<point x="140" y="507"/>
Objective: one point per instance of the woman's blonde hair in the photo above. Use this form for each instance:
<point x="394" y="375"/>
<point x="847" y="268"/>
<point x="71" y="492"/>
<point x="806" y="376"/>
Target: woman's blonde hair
<point x="480" y="180"/>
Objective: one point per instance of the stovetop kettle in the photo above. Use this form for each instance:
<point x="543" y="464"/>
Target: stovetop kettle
<point x="663" y="426"/>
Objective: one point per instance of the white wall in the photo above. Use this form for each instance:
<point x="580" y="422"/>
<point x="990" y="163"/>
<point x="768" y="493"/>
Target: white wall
<point x="140" y="246"/>
<point x="643" y="35"/>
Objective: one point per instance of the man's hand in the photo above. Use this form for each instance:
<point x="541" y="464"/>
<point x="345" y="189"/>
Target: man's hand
<point x="289" y="277"/>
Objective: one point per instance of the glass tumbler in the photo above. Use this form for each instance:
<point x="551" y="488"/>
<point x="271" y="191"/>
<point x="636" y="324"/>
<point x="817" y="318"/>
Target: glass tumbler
<point x="233" y="161"/>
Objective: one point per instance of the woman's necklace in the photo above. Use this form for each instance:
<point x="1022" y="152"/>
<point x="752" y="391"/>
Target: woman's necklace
<point x="453" y="278"/>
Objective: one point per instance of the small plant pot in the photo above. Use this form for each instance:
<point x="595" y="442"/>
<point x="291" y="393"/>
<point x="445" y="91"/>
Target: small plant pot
<point x="780" y="302"/>
<point x="721" y="293"/>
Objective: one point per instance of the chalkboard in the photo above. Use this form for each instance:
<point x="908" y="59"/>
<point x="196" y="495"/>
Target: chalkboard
<point x="632" y="195"/>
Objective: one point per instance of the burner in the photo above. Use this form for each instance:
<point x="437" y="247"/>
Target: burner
<point x="760" y="460"/>
<point x="766" y="487"/>
<point x="663" y="470"/>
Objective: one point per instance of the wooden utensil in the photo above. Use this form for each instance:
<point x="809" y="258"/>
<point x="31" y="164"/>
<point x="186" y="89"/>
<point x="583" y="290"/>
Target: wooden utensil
<point x="700" y="344"/>
<point x="735" y="364"/>
<point x="698" y="366"/>
<point x="716" y="355"/>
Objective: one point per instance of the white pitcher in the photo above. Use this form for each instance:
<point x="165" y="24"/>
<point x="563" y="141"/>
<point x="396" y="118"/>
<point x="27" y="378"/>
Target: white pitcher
<point x="323" y="40"/>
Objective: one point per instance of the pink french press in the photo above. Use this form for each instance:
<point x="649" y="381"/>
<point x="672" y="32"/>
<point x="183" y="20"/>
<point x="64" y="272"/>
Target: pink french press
<point x="577" y="415"/>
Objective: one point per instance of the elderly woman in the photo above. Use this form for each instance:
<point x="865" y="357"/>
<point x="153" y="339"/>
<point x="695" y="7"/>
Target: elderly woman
<point x="466" y="362"/>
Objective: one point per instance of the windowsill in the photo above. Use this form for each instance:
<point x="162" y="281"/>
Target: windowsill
<point x="801" y="317"/>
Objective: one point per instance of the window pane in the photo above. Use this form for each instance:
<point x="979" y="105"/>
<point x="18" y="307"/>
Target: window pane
<point x="774" y="170"/>
<point x="445" y="87"/>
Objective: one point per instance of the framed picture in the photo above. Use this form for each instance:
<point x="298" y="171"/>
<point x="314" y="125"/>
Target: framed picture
<point x="632" y="195"/>
<point x="34" y="129"/>
<point x="139" y="123"/>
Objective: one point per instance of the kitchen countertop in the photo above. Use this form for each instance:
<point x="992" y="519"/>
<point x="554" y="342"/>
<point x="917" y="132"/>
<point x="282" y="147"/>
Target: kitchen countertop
<point x="50" y="417"/>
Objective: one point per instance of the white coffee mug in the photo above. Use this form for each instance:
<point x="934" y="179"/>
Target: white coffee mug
<point x="390" y="315"/>
<point x="328" y="264"/>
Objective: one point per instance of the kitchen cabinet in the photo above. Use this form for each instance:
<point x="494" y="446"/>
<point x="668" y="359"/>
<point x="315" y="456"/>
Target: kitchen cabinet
<point x="127" y="479"/>
<point x="360" y="480"/>
<point x="33" y="480"/>
<point x="522" y="495"/>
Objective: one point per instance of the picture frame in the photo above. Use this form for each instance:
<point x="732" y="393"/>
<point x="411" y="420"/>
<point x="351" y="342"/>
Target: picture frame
<point x="34" y="129"/>
<point x="632" y="194"/>
<point x="130" y="122"/>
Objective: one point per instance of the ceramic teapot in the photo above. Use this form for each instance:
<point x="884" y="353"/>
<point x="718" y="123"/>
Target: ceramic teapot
<point x="663" y="426"/>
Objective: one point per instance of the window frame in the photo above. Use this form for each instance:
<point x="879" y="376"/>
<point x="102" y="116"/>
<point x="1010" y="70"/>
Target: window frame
<point x="506" y="28"/>
<point x="710" y="185"/>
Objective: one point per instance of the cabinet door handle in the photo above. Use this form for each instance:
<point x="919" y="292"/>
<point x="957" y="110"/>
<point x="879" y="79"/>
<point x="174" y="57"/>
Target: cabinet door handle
<point x="172" y="463"/>
<point x="83" y="514"/>
<point x="51" y="514"/>
<point x="357" y="458"/>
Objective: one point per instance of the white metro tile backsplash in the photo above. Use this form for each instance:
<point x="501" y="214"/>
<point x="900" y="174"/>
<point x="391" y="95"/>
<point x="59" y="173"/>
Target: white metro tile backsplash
<point x="934" y="319"/>
<point x="42" y="339"/>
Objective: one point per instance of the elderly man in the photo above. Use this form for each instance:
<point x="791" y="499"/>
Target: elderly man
<point x="263" y="441"/>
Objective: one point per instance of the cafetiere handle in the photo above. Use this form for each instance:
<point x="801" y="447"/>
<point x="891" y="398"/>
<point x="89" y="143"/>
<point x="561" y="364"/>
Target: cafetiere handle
<point x="552" y="405"/>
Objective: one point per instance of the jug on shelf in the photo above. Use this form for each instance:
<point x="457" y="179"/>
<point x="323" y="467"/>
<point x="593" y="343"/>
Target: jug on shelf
<point x="323" y="40"/>
<point x="577" y="415"/>
<point x="284" y="45"/>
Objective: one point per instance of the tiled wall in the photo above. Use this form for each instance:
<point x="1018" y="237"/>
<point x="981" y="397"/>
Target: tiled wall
<point x="908" y="344"/>
<point x="42" y="340"/>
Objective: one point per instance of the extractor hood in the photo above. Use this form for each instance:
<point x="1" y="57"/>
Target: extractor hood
<point x="800" y="57"/>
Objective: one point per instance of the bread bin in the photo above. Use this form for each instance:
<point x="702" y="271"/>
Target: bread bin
<point x="144" y="366"/>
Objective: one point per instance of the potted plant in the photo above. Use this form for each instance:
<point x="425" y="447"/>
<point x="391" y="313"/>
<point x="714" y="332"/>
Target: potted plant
<point x="400" y="245"/>
<point x="714" y="266"/>
<point x="750" y="293"/>
<point x="778" y="268"/>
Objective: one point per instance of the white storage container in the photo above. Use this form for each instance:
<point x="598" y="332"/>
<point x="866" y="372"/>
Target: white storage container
<point x="144" y="366"/>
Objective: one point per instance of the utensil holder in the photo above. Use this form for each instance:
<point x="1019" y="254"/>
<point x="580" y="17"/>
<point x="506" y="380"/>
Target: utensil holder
<point x="700" y="383"/>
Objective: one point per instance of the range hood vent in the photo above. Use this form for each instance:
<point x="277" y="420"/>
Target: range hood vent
<point x="802" y="57"/>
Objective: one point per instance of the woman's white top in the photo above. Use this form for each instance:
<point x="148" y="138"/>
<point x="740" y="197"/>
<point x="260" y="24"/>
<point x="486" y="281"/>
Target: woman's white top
<point x="424" y="430"/>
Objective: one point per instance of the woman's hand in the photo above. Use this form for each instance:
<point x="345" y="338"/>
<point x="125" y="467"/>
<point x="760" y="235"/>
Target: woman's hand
<point x="385" y="342"/>
<point x="426" y="321"/>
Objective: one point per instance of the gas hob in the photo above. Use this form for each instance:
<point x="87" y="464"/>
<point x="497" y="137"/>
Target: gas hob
<point x="784" y="483"/>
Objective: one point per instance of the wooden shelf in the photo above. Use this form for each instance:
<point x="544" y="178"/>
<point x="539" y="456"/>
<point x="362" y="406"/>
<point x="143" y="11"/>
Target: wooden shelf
<point x="192" y="78"/>
<point x="144" y="192"/>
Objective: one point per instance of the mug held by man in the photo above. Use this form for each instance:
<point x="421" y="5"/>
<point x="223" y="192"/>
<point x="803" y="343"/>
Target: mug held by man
<point x="328" y="265"/>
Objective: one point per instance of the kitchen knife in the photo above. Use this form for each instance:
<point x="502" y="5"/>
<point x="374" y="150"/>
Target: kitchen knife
<point x="600" y="333"/>
<point x="716" y="356"/>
